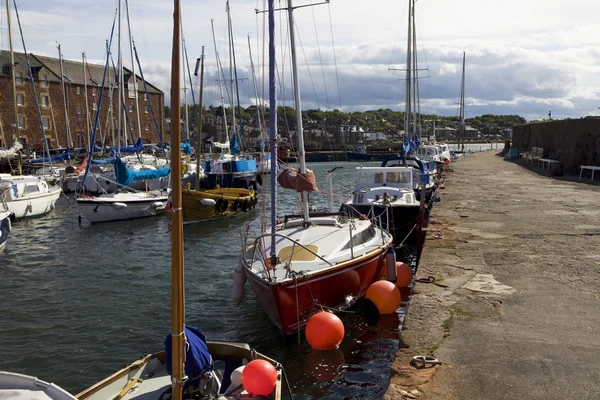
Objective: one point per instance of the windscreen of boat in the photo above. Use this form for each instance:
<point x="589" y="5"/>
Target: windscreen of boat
<point x="361" y="237"/>
<point x="368" y="178"/>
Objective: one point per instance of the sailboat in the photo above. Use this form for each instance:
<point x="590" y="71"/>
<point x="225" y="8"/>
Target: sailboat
<point x="127" y="203"/>
<point x="25" y="196"/>
<point x="201" y="205"/>
<point x="309" y="261"/>
<point x="161" y="375"/>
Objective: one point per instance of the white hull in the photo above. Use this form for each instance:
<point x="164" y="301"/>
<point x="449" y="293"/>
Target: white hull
<point x="17" y="386"/>
<point x="4" y="227"/>
<point x="28" y="196"/>
<point x="264" y="167"/>
<point x="122" y="206"/>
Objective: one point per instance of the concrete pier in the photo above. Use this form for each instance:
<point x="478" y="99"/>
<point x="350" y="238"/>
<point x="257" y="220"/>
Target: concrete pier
<point x="514" y="312"/>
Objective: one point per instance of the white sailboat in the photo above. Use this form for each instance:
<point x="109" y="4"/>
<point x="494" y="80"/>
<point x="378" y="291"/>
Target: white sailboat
<point x="23" y="387"/>
<point x="163" y="375"/>
<point x="307" y="261"/>
<point x="24" y="195"/>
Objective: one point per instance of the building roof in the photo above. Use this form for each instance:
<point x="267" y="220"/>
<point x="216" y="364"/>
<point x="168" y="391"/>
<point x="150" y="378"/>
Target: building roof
<point x="73" y="70"/>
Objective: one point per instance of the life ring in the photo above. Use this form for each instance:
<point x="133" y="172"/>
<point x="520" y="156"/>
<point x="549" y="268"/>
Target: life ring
<point x="236" y="204"/>
<point x="185" y="169"/>
<point x="221" y="205"/>
<point x="245" y="205"/>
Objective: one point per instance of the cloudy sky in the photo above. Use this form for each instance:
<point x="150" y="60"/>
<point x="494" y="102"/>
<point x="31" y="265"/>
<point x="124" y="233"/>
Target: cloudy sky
<point x="524" y="57"/>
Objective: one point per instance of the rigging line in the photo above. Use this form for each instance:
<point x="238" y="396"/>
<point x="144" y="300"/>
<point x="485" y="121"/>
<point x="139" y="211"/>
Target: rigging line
<point x="307" y="65"/>
<point x="337" y="78"/>
<point x="312" y="9"/>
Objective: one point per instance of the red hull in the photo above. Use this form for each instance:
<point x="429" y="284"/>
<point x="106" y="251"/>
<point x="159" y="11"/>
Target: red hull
<point x="330" y="289"/>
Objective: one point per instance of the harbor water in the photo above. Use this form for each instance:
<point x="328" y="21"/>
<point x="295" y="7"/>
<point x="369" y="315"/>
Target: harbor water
<point x="77" y="303"/>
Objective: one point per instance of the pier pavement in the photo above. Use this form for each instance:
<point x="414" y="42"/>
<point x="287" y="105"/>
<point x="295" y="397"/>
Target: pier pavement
<point x="515" y="313"/>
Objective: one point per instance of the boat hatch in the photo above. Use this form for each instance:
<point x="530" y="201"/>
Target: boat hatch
<point x="298" y="253"/>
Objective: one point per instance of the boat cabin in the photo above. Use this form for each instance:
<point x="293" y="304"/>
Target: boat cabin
<point x="429" y="153"/>
<point x="388" y="184"/>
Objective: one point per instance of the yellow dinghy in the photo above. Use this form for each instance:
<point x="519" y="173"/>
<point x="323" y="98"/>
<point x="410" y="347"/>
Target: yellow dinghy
<point x="207" y="205"/>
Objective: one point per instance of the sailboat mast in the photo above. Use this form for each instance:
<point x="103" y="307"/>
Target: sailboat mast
<point x="64" y="96"/>
<point x="416" y="108"/>
<point x="231" y="81"/>
<point x="16" y="135"/>
<point x="407" y="108"/>
<point x="87" y="113"/>
<point x="222" y="75"/>
<point x="135" y="91"/>
<point x="255" y="87"/>
<point x="119" y="92"/>
<point x="199" y="144"/>
<point x="177" y="288"/>
<point x="462" y="106"/>
<point x="185" y="104"/>
<point x="110" y="101"/>
<point x="299" y="130"/>
<point x="273" y="130"/>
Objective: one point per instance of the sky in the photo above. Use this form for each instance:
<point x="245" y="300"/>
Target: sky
<point x="525" y="57"/>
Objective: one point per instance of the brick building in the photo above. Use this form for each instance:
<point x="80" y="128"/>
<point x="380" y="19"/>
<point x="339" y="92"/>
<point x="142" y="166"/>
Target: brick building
<point x="46" y="74"/>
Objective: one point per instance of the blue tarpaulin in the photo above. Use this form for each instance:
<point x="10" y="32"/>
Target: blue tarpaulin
<point x="234" y="145"/>
<point x="187" y="149"/>
<point x="107" y="161"/>
<point x="63" y="157"/>
<point x="197" y="358"/>
<point x="125" y="176"/>
<point x="243" y="165"/>
<point x="139" y="146"/>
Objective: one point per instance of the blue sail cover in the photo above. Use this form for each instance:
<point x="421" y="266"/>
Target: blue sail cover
<point x="234" y="145"/>
<point x="107" y="161"/>
<point x="63" y="157"/>
<point x="197" y="357"/>
<point x="139" y="146"/>
<point x="125" y="176"/>
<point x="187" y="149"/>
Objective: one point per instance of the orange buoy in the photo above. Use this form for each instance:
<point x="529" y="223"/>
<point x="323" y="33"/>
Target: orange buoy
<point x="404" y="275"/>
<point x="259" y="378"/>
<point x="385" y="296"/>
<point x="324" y="331"/>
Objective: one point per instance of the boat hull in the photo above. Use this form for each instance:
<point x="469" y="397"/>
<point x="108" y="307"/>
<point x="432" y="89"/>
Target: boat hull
<point x="400" y="221"/>
<point x="198" y="204"/>
<point x="334" y="289"/>
<point x="4" y="227"/>
<point x="111" y="209"/>
<point x="35" y="205"/>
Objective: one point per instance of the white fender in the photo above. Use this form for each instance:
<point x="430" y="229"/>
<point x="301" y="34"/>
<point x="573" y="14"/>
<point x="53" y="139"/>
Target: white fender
<point x="239" y="280"/>
<point x="208" y="202"/>
<point x="158" y="204"/>
<point x="119" y="205"/>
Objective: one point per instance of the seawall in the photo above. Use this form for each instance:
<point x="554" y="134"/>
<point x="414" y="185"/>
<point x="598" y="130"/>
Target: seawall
<point x="573" y="142"/>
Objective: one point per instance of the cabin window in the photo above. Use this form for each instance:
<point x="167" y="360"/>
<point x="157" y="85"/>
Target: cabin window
<point x="20" y="99"/>
<point x="19" y="77"/>
<point x="44" y="81"/>
<point x="46" y="123"/>
<point x="45" y="101"/>
<point x="361" y="237"/>
<point x="22" y="122"/>
<point x="131" y="88"/>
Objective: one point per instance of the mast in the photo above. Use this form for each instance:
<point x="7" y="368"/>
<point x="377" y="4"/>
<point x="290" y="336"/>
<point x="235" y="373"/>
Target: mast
<point x="119" y="85"/>
<point x="185" y="104"/>
<point x="87" y="113"/>
<point x="255" y="87"/>
<point x="273" y="131"/>
<point x="199" y="144"/>
<point x="416" y="108"/>
<point x="16" y="135"/>
<point x="299" y="130"/>
<point x="64" y="96"/>
<point x="462" y="106"/>
<point x="110" y="101"/>
<point x="407" y="116"/>
<point x="135" y="91"/>
<point x="177" y="288"/>
<point x="231" y="81"/>
<point x="237" y="90"/>
<point x="220" y="73"/>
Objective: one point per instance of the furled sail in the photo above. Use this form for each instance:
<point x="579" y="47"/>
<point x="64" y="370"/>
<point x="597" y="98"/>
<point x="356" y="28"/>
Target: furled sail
<point x="66" y="155"/>
<point x="125" y="176"/>
<point x="139" y="146"/>
<point x="290" y="178"/>
<point x="12" y="152"/>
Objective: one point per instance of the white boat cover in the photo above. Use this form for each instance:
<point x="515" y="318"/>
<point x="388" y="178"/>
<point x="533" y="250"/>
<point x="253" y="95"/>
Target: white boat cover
<point x="22" y="387"/>
<point x="12" y="152"/>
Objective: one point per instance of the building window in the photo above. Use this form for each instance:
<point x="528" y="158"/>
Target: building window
<point x="78" y="89"/>
<point x="147" y="126"/>
<point x="146" y="109"/>
<point x="45" y="101"/>
<point x="44" y="81"/>
<point x="21" y="99"/>
<point x="131" y="108"/>
<point x="131" y="127"/>
<point x="46" y="122"/>
<point x="145" y="96"/>
<point x="95" y="106"/>
<point x="19" y="77"/>
<point x="21" y="122"/>
<point x="79" y="110"/>
<point x="132" y="90"/>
